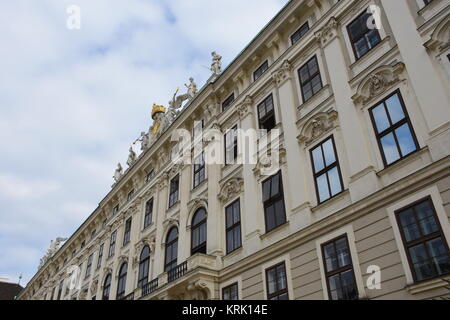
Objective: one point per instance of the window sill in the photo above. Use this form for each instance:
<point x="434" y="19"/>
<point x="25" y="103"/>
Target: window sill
<point x="195" y="188"/>
<point x="233" y="253"/>
<point x="276" y="230"/>
<point x="327" y="202"/>
<point x="427" y="285"/>
<point x="402" y="162"/>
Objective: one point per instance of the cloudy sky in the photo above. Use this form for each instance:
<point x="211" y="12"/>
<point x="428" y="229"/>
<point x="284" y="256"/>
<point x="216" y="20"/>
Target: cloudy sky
<point x="71" y="101"/>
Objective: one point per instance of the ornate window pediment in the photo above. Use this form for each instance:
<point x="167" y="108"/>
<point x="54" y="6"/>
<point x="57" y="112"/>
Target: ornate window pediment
<point x="440" y="38"/>
<point x="318" y="126"/>
<point x="378" y="82"/>
<point x="231" y="189"/>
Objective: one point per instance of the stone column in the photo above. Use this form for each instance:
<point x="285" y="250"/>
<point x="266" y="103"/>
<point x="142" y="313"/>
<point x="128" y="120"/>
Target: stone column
<point x="160" y="214"/>
<point x="184" y="240"/>
<point x="294" y="187"/>
<point x="428" y="88"/>
<point x="362" y="177"/>
<point x="250" y="204"/>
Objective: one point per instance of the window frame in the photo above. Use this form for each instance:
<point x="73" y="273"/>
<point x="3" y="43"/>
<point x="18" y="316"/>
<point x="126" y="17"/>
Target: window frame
<point x="122" y="281"/>
<point x="263" y="67"/>
<point x="235" y="225"/>
<point x="234" y="145"/>
<point x="272" y="200"/>
<point x="310" y="78"/>
<point x="326" y="169"/>
<point x="144" y="276"/>
<point x="174" y="194"/>
<point x="112" y="244"/>
<point x="201" y="247"/>
<point x="127" y="232"/>
<point x="173" y="263"/>
<point x="301" y="32"/>
<point x="89" y="266"/>
<point x="279" y="292"/>
<point x="199" y="171"/>
<point x="106" y="292"/>
<point x="392" y="128"/>
<point x="228" y="102"/>
<point x="350" y="266"/>
<point x="422" y="239"/>
<point x="354" y="41"/>
<point x="268" y="115"/>
<point x="148" y="214"/>
<point x="100" y="256"/>
<point x="228" y="287"/>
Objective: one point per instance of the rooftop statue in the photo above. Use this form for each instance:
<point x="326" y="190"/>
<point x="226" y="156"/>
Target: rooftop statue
<point x="216" y="65"/>
<point x="192" y="88"/>
<point x="131" y="157"/>
<point x="118" y="173"/>
<point x="54" y="247"/>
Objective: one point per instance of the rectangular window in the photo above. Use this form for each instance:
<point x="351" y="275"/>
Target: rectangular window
<point x="148" y="213"/>
<point x="259" y="72"/>
<point x="93" y="234"/>
<point x="127" y="233"/>
<point x="300" y="33"/>
<point x="150" y="175"/>
<point x="173" y="194"/>
<point x="362" y="38"/>
<point x="327" y="173"/>
<point x="83" y="244"/>
<point x="273" y="199"/>
<point x="115" y="210"/>
<point x="233" y="226"/>
<point x="393" y="129"/>
<point x="112" y="244"/>
<point x="61" y="284"/>
<point x="424" y="241"/>
<point x="231" y="146"/>
<point x="89" y="265"/>
<point x="339" y="273"/>
<point x="230" y="292"/>
<point x="197" y="131"/>
<point x="277" y="283"/>
<point x="130" y="195"/>
<point x="266" y="114"/>
<point x="199" y="170"/>
<point x="310" y="79"/>
<point x="227" y="102"/>
<point x="427" y="2"/>
<point x="100" y="256"/>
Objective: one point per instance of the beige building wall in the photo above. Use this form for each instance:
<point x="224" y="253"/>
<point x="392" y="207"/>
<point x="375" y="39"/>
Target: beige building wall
<point x="411" y="58"/>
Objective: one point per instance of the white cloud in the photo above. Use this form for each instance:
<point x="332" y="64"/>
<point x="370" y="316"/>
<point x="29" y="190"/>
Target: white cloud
<point x="71" y="102"/>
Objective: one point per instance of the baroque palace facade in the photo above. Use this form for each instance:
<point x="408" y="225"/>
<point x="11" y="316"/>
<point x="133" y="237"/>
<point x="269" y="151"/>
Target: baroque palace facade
<point x="360" y="207"/>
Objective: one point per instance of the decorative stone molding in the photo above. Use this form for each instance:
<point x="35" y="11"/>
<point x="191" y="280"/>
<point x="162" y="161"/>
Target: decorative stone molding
<point x="317" y="126"/>
<point x="94" y="286"/>
<point x="176" y="168"/>
<point x="193" y="205"/>
<point x="163" y="181"/>
<point x="150" y="242"/>
<point x="440" y="38"/>
<point x="265" y="167"/>
<point x="231" y="189"/>
<point x="283" y="73"/>
<point x="378" y="82"/>
<point x="328" y="32"/>
<point x="245" y="107"/>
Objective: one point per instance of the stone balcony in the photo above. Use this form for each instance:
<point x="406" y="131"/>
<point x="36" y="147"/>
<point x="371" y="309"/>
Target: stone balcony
<point x="195" y="278"/>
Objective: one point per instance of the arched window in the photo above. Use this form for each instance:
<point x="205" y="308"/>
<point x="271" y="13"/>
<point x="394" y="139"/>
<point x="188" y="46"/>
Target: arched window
<point x="122" y="281"/>
<point x="198" y="237"/>
<point x="106" y="287"/>
<point x="144" y="263"/>
<point x="171" y="249"/>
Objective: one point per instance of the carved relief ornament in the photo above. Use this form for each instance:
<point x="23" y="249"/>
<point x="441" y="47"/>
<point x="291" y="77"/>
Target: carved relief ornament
<point x="318" y="126"/>
<point x="378" y="82"/>
<point x="283" y="73"/>
<point x="231" y="189"/>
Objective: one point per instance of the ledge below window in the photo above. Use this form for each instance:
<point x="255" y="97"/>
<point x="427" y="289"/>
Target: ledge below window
<point x="428" y="285"/>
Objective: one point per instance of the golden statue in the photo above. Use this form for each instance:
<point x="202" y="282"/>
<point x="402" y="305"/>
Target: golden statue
<point x="157" y="116"/>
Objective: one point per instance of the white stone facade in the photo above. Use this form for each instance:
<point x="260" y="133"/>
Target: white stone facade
<point x="411" y="59"/>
